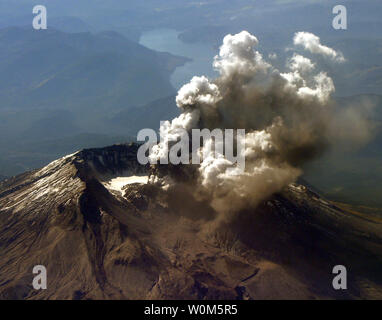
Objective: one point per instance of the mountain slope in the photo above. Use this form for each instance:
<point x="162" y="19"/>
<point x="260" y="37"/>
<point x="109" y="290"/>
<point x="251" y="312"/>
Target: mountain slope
<point x="103" y="234"/>
<point x="44" y="68"/>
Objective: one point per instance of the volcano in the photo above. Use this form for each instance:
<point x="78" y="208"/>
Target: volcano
<point x="103" y="231"/>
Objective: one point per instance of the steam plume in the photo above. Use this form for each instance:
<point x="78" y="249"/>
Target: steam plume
<point x="285" y="116"/>
<point x="312" y="43"/>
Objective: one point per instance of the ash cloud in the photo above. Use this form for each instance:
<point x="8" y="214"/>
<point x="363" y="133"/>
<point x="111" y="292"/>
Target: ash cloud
<point x="287" y="117"/>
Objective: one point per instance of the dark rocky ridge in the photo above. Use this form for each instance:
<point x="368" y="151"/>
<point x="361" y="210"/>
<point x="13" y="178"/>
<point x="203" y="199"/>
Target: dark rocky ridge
<point x="146" y="243"/>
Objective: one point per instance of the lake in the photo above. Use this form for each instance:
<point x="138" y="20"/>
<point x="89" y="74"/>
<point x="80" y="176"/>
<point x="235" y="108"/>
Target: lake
<point x="201" y="54"/>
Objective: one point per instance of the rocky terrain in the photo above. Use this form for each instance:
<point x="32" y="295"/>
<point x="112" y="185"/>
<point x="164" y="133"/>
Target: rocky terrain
<point x="102" y="232"/>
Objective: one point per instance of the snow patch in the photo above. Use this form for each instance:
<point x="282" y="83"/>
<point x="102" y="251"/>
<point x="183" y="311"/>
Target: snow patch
<point x="119" y="182"/>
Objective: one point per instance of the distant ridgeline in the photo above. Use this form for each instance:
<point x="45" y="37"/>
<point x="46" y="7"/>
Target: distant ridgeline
<point x="80" y="70"/>
<point x="62" y="92"/>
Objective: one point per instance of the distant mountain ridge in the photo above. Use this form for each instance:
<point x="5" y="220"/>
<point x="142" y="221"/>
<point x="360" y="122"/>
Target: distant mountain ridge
<point x="57" y="87"/>
<point x="52" y="69"/>
<point x="147" y="116"/>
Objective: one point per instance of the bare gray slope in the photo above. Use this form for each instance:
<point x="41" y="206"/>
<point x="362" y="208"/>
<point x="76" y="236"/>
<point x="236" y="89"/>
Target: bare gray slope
<point x="145" y="243"/>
